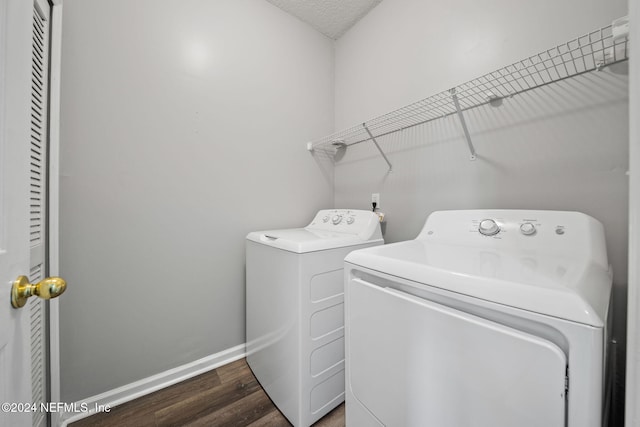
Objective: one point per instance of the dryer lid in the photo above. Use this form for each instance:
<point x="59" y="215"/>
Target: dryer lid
<point x="560" y="275"/>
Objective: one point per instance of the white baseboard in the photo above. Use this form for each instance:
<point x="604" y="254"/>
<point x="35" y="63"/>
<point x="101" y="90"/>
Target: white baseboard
<point x="87" y="407"/>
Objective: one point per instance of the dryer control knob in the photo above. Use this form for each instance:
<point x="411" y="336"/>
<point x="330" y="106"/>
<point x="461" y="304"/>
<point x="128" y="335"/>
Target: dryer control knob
<point x="336" y="219"/>
<point x="325" y="218"/>
<point x="350" y="220"/>
<point x="488" y="227"/>
<point x="528" y="229"/>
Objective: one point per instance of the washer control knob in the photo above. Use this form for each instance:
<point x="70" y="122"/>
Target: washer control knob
<point x="336" y="219"/>
<point x="351" y="220"/>
<point x="528" y="229"/>
<point x="488" y="227"/>
<point x="326" y="218"/>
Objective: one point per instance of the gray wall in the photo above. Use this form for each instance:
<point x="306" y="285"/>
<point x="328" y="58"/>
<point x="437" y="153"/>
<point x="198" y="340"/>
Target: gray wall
<point x="563" y="146"/>
<point x="183" y="128"/>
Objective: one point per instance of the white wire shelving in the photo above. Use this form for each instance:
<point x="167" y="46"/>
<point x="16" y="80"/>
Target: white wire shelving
<point x="592" y="51"/>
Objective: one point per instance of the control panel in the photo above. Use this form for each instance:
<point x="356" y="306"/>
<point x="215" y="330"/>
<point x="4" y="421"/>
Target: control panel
<point x="558" y="232"/>
<point x="352" y="221"/>
<point x="490" y="227"/>
<point x="526" y="225"/>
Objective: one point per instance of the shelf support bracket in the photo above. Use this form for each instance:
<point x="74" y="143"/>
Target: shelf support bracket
<point x="454" y="96"/>
<point x="364" y="125"/>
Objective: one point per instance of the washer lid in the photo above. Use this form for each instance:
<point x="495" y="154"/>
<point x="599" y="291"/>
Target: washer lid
<point x="561" y="287"/>
<point x="302" y="240"/>
<point x="330" y="228"/>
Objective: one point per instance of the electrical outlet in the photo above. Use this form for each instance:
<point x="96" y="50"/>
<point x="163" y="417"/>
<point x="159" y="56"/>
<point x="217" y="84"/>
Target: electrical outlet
<point x="375" y="198"/>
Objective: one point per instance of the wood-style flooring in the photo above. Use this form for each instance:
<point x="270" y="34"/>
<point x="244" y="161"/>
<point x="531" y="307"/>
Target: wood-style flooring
<point x="227" y="396"/>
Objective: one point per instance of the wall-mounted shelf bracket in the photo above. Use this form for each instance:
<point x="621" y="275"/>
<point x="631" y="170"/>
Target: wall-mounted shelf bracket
<point x="364" y="125"/>
<point x="454" y="96"/>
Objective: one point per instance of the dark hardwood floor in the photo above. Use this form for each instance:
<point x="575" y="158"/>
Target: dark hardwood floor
<point x="227" y="396"/>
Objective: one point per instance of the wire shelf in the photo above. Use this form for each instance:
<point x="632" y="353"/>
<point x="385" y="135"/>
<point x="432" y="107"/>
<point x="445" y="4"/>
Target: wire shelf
<point x="593" y="51"/>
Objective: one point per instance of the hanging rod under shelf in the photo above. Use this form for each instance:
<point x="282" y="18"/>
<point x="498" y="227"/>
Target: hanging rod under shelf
<point x="592" y="51"/>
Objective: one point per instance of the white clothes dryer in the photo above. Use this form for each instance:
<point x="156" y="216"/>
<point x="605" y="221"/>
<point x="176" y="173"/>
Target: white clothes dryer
<point x="295" y="309"/>
<point x="489" y="318"/>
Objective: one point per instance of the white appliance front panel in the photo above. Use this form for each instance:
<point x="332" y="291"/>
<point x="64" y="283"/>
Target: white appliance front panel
<point x="295" y="328"/>
<point x="412" y="362"/>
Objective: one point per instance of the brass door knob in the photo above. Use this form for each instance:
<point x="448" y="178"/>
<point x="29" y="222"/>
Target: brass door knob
<point x="48" y="288"/>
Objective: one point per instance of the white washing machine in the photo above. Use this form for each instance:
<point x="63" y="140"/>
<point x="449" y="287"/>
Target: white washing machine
<point x="295" y="309"/>
<point x="489" y="318"/>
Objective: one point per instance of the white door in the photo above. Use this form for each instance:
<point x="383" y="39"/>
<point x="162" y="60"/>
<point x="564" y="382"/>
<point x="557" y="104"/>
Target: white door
<point x="412" y="362"/>
<point x="15" y="98"/>
<point x="24" y="38"/>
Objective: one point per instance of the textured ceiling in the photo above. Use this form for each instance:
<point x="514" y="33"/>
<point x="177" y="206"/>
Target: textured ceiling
<point x="331" y="17"/>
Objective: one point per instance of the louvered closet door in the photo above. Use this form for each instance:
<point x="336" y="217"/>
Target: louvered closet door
<point x="38" y="199"/>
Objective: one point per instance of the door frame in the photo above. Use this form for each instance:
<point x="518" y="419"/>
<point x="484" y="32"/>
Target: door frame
<point x="632" y="392"/>
<point x="53" y="198"/>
